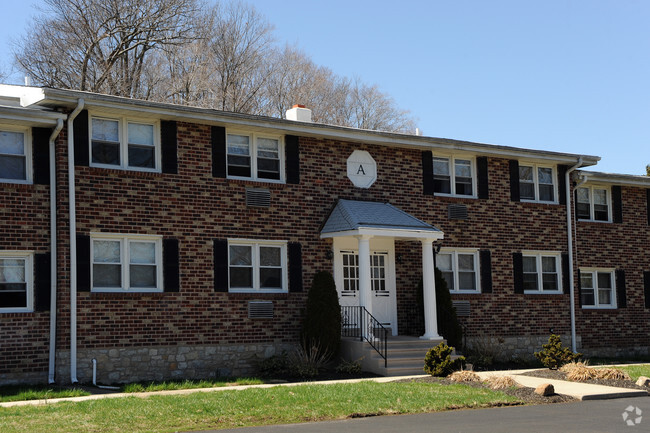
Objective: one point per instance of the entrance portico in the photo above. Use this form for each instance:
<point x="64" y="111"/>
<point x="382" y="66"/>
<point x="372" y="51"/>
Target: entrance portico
<point x="363" y="235"/>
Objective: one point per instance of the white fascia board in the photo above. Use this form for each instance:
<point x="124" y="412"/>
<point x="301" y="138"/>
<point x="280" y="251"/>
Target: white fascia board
<point x="387" y="233"/>
<point x="168" y="111"/>
<point x="26" y="117"/>
<point x="615" y="179"/>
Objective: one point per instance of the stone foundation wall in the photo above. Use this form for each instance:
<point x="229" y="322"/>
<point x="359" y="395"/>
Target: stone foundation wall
<point x="513" y="348"/>
<point x="134" y="364"/>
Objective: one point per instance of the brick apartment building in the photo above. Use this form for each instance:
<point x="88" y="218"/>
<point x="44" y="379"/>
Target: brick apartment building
<point x="165" y="241"/>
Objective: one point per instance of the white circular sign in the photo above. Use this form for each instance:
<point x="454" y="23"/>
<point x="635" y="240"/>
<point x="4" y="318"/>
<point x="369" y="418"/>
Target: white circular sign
<point x="362" y="169"/>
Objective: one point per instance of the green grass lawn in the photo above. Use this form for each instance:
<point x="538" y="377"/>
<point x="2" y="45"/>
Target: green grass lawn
<point x="228" y="409"/>
<point x="189" y="384"/>
<point x="637" y="370"/>
<point x="18" y="393"/>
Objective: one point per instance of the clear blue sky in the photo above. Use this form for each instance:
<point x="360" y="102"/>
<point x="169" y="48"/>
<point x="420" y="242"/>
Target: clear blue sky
<point x="570" y="76"/>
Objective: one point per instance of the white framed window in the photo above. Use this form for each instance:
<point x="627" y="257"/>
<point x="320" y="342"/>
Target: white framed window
<point x="15" y="155"/>
<point x="597" y="288"/>
<point x="350" y="273"/>
<point x="124" y="143"/>
<point x="542" y="272"/>
<point x="255" y="156"/>
<point x="593" y="203"/>
<point x="378" y="273"/>
<point x="257" y="266"/>
<point x="454" y="176"/>
<point x="126" y="263"/>
<point x="460" y="269"/>
<point x="537" y="183"/>
<point x="16" y="281"/>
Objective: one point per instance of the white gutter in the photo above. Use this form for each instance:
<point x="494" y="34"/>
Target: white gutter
<point x="53" y="267"/>
<point x="569" y="218"/>
<point x="73" y="244"/>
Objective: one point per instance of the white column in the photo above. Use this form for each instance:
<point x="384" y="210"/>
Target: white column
<point x="365" y="295"/>
<point x="429" y="292"/>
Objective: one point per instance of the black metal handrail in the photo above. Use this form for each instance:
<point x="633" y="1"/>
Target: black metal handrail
<point x="357" y="322"/>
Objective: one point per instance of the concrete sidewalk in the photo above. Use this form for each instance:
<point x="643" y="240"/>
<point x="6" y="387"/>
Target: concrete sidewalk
<point x="577" y="390"/>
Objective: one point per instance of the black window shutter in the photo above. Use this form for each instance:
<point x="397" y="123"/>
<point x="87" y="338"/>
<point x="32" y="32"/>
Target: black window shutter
<point x="218" y="151"/>
<point x="648" y="204"/>
<point x="561" y="183"/>
<point x="292" y="152"/>
<point x="579" y="289"/>
<point x="621" y="299"/>
<point x="81" y="138"/>
<point x="617" y="205"/>
<point x="486" y="271"/>
<point x="171" y="270"/>
<point x="482" y="174"/>
<point x="646" y="288"/>
<point x="566" y="274"/>
<point x="220" y="265"/>
<point x="427" y="172"/>
<point x="295" y="267"/>
<point x="518" y="272"/>
<point x="514" y="180"/>
<point x="169" y="146"/>
<point x="83" y="263"/>
<point x="42" y="282"/>
<point x="41" y="152"/>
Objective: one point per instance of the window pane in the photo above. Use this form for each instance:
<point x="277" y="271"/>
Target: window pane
<point x="270" y="256"/>
<point x="583" y="209"/>
<point x="530" y="264"/>
<point x="270" y="278"/>
<point x="107" y="275"/>
<point x="605" y="297"/>
<point x="441" y="167"/>
<point x="238" y="144"/>
<point x="465" y="262"/>
<point x="143" y="276"/>
<point x="140" y="134"/>
<point x="530" y="282"/>
<point x="586" y="281"/>
<point x="443" y="262"/>
<point x="548" y="264"/>
<point x="464" y="185"/>
<point x="142" y="157"/>
<point x="527" y="191"/>
<point x="267" y="148"/>
<point x="239" y="166"/>
<point x="549" y="282"/>
<point x="604" y="280"/>
<point x="546" y="192"/>
<point x="13" y="167"/>
<point x="240" y="255"/>
<point x="13" y="295"/>
<point x="463" y="168"/>
<point x="545" y="176"/>
<point x="106" y="153"/>
<point x="12" y="143"/>
<point x="12" y="271"/>
<point x="467" y="281"/>
<point x="600" y="196"/>
<point x="268" y="168"/>
<point x="583" y="195"/>
<point x="441" y="185"/>
<point x="588" y="297"/>
<point x="525" y="173"/>
<point x="142" y="252"/>
<point x="105" y="130"/>
<point x="106" y="251"/>
<point x="241" y="277"/>
<point x="601" y="212"/>
<point x="449" y="278"/>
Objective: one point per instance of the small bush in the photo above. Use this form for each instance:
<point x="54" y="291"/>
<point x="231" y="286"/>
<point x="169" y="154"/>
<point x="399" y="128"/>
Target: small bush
<point x="438" y="361"/>
<point x="571" y="365"/>
<point x="464" y="376"/>
<point x="307" y="363"/>
<point x="580" y="373"/>
<point x="611" y="373"/>
<point x="554" y="355"/>
<point x="349" y="367"/>
<point x="274" y="366"/>
<point x="501" y="382"/>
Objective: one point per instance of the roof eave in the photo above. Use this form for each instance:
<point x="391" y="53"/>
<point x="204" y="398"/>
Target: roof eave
<point x="616" y="178"/>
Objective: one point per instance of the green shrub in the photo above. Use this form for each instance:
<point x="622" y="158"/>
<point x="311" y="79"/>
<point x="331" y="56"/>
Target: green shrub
<point x="448" y="325"/>
<point x="274" y="366"/>
<point x="349" y="367"/>
<point x="438" y="361"/>
<point x="554" y="355"/>
<point x="322" y="325"/>
<point x="307" y="361"/>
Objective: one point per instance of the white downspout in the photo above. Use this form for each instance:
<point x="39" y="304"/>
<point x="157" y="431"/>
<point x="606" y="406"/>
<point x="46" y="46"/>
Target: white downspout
<point x="569" y="220"/>
<point x="53" y="268"/>
<point x="73" y="244"/>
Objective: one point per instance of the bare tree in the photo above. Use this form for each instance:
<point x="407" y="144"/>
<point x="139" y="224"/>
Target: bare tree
<point x="102" y="46"/>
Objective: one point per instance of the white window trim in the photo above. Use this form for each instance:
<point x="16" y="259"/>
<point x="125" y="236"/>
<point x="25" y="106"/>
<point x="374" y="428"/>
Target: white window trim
<point x="558" y="266"/>
<point x="536" y="168"/>
<point x="28" y="256"/>
<point x="27" y="135"/>
<point x="594" y="272"/>
<point x="592" y="208"/>
<point x="256" y="244"/>
<point x="253" y="155"/>
<point x="124" y="262"/>
<point x="123" y="133"/>
<point x="452" y="171"/>
<point x="477" y="267"/>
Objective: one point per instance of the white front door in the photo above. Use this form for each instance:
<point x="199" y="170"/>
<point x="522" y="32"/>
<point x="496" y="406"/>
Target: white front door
<point x="382" y="277"/>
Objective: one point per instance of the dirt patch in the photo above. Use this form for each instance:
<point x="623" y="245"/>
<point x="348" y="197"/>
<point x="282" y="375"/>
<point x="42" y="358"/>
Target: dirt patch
<point x="527" y="395"/>
<point x="558" y="375"/>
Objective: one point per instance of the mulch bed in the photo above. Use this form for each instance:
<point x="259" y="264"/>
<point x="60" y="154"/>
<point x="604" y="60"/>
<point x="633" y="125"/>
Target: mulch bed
<point x="527" y="395"/>
<point x="558" y="375"/>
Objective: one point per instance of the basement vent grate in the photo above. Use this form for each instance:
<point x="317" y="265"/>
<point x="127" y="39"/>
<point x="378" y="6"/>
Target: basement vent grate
<point x="260" y="310"/>
<point x="457" y="212"/>
<point x="462" y="308"/>
<point x="258" y="197"/>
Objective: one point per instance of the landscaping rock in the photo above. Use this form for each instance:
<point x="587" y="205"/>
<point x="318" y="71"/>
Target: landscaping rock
<point x="545" y="390"/>
<point x="643" y="381"/>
